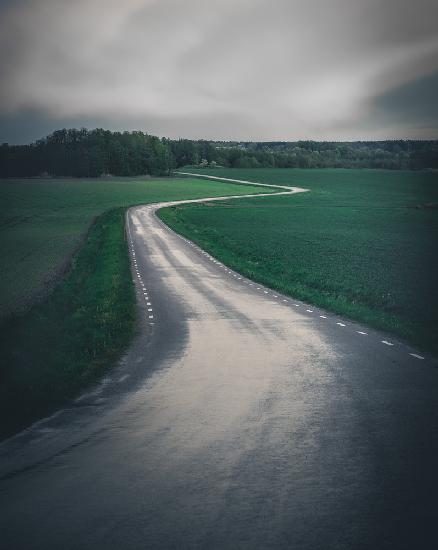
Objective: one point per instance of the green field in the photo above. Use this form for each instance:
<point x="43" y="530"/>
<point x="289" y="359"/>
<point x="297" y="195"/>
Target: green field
<point x="42" y="222"/>
<point x="362" y="243"/>
<point x="59" y="345"/>
<point x="63" y="343"/>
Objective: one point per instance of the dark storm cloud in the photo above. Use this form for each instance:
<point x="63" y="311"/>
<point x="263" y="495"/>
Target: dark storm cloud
<point x="28" y="125"/>
<point x="417" y="100"/>
<point x="413" y="105"/>
<point x="237" y="69"/>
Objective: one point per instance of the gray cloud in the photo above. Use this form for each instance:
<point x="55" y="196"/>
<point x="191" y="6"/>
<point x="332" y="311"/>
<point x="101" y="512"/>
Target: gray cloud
<point x="412" y="105"/>
<point x="230" y="69"/>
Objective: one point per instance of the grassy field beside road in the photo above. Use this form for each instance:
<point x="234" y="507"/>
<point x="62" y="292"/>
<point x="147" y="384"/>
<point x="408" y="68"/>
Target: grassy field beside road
<point x="50" y="351"/>
<point x="62" y="344"/>
<point x="42" y="222"/>
<point x="362" y="243"/>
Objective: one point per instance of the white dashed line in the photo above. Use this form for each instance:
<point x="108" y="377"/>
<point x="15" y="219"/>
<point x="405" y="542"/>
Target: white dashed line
<point x="297" y="305"/>
<point x="387" y="343"/>
<point x="323" y="317"/>
<point x="309" y="310"/>
<point x="341" y="324"/>
<point x="361" y="332"/>
<point x="275" y="296"/>
<point x="284" y="300"/>
<point x="151" y="316"/>
<point x="416" y="356"/>
<point x="123" y="378"/>
<point x="266" y="292"/>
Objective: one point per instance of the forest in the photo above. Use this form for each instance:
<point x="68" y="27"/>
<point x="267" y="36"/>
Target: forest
<point x="98" y="152"/>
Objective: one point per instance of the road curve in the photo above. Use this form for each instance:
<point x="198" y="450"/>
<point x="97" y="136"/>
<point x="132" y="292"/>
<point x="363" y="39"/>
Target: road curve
<point x="238" y="418"/>
<point x="242" y="182"/>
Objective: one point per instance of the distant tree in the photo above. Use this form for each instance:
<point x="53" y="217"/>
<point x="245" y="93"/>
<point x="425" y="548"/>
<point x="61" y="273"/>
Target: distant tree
<point x="81" y="152"/>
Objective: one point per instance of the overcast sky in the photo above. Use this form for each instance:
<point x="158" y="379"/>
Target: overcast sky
<point x="221" y="69"/>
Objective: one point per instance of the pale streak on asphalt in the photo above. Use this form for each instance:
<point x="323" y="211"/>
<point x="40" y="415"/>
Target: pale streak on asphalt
<point x="251" y="425"/>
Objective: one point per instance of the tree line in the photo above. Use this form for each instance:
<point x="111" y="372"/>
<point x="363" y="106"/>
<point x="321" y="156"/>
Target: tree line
<point x="87" y="153"/>
<point x="390" y="154"/>
<point x="93" y="153"/>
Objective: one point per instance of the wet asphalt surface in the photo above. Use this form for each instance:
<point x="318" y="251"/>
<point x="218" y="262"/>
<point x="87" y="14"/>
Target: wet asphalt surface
<point x="239" y="418"/>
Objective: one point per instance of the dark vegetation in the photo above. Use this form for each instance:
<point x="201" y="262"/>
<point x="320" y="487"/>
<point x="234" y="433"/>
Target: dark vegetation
<point x="361" y="243"/>
<point x="392" y="155"/>
<point x="85" y="153"/>
<point x="64" y="343"/>
<point x="92" y="153"/>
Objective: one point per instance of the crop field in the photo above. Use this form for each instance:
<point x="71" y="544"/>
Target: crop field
<point x="362" y="243"/>
<point x="42" y="222"/>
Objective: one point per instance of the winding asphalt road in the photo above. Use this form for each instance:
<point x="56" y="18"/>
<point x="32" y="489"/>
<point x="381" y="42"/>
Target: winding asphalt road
<point x="239" y="418"/>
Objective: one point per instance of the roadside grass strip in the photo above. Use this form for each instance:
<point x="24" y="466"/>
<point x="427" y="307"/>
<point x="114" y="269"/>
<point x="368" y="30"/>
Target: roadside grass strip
<point x="360" y="244"/>
<point x="73" y="336"/>
<point x="272" y="293"/>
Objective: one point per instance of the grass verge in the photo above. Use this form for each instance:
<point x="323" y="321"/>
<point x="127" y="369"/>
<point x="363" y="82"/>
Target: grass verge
<point x="57" y="347"/>
<point x="360" y="243"/>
